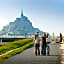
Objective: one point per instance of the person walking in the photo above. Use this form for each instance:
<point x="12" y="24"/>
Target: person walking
<point x="53" y="36"/>
<point x="47" y="35"/>
<point x="43" y="51"/>
<point x="37" y="44"/>
<point x="53" y="40"/>
<point x="60" y="37"/>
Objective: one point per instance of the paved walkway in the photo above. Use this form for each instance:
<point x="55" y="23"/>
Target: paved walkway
<point x="28" y="57"/>
<point x="62" y="53"/>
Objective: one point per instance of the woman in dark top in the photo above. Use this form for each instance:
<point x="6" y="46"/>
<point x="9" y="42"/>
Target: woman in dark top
<point x="43" y="51"/>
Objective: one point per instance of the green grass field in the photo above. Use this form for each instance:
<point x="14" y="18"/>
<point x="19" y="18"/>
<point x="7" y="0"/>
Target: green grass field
<point x="20" y="44"/>
<point x="14" y="45"/>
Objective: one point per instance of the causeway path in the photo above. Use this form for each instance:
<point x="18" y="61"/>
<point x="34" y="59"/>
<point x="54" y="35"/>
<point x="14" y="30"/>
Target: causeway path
<point x="28" y="57"/>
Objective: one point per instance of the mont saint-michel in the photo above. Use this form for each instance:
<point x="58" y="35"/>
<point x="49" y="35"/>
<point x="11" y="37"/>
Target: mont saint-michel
<point x="21" y="25"/>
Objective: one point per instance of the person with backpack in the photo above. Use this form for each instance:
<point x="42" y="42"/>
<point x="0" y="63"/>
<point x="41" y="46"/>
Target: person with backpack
<point x="37" y="44"/>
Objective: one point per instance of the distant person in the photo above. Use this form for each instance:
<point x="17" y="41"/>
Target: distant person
<point x="53" y="38"/>
<point x="53" y="35"/>
<point x="47" y="35"/>
<point x="37" y="44"/>
<point x="43" y="51"/>
<point x="60" y="37"/>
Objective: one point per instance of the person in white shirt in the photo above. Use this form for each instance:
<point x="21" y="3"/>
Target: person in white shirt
<point x="37" y="44"/>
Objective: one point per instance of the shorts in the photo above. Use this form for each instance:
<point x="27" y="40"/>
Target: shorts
<point x="37" y="45"/>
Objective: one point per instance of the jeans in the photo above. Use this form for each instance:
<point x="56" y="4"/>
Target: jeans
<point x="43" y="51"/>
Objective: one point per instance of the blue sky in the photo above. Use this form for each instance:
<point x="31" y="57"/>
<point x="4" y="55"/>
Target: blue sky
<point x="47" y="15"/>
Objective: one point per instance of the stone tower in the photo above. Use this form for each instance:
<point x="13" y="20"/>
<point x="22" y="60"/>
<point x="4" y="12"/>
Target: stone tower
<point x="22" y="13"/>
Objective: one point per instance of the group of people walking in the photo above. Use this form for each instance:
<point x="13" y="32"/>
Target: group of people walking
<point x="42" y="44"/>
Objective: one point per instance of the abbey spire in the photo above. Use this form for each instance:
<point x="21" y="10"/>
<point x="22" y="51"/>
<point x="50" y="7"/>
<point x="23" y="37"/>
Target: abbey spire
<point x="22" y="13"/>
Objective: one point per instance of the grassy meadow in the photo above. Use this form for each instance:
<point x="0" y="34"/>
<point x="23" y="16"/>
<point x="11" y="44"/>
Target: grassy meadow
<point x="19" y="45"/>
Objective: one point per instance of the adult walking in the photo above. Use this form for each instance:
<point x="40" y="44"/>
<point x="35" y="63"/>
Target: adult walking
<point x="43" y="51"/>
<point x="47" y="35"/>
<point x="53" y="36"/>
<point x="53" y="40"/>
<point x="37" y="44"/>
<point x="60" y="37"/>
